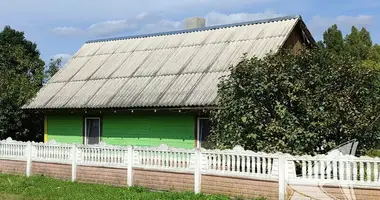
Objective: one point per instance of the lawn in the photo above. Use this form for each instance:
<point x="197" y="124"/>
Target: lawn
<point x="38" y="187"/>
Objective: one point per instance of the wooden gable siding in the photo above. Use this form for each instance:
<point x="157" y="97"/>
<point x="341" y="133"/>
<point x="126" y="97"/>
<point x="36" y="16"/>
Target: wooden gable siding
<point x="295" y="40"/>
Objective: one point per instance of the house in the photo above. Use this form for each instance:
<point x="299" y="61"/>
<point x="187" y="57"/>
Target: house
<point x="156" y="88"/>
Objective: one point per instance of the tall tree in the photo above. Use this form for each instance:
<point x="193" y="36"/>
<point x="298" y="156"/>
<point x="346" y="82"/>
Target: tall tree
<point x="53" y="67"/>
<point x="301" y="104"/>
<point x="374" y="53"/>
<point x="358" y="43"/>
<point x="333" y="39"/>
<point x="21" y="73"/>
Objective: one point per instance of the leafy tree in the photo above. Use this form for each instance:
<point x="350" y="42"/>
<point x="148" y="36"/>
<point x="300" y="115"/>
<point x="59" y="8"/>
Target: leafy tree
<point x="320" y="44"/>
<point x="333" y="39"/>
<point x="374" y="53"/>
<point x="301" y="104"/>
<point x="21" y="73"/>
<point x="53" y="67"/>
<point x="358" y="43"/>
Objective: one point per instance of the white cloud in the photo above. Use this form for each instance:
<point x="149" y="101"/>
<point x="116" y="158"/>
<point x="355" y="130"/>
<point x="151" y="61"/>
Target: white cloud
<point x="96" y="10"/>
<point x="217" y="18"/>
<point x="67" y="31"/>
<point x="161" y="26"/>
<point x="360" y="20"/>
<point x="343" y="21"/>
<point x="64" y="57"/>
<point x="107" y="28"/>
<point x="212" y="18"/>
<point x="141" y="16"/>
<point x="122" y="14"/>
<point x="319" y="24"/>
<point x="150" y="23"/>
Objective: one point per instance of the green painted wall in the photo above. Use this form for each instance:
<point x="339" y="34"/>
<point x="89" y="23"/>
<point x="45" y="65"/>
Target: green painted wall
<point x="140" y="130"/>
<point x="175" y="130"/>
<point x="64" y="129"/>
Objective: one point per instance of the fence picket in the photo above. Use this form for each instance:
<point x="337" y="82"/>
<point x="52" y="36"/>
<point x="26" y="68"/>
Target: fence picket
<point x="369" y="177"/>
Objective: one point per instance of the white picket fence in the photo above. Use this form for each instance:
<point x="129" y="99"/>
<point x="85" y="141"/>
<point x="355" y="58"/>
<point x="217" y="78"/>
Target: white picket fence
<point x="348" y="169"/>
<point x="237" y="162"/>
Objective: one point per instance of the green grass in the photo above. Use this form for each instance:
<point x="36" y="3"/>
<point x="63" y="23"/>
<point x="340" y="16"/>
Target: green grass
<point x="38" y="187"/>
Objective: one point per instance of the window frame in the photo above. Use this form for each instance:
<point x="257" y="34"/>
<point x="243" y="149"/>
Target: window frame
<point x="85" y="142"/>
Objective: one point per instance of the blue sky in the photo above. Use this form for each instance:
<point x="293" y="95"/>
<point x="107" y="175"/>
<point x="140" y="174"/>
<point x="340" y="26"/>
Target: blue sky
<point x="60" y="27"/>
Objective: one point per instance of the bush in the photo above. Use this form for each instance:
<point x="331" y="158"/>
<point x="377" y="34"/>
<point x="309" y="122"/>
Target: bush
<point x="306" y="103"/>
<point x="373" y="153"/>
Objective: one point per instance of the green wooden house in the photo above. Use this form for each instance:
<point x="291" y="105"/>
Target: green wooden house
<point x="157" y="88"/>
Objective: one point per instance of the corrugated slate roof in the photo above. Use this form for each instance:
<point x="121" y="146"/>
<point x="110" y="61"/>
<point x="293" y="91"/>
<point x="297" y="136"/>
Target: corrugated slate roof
<point x="172" y="69"/>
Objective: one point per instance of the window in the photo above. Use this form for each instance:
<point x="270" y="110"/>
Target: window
<point x="203" y="132"/>
<point x="92" y="130"/>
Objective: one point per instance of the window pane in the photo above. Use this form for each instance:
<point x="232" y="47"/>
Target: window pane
<point x="93" y="131"/>
<point x="204" y="126"/>
<point x="204" y="132"/>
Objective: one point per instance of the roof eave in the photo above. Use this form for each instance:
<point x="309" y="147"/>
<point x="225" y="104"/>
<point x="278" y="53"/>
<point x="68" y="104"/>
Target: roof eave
<point x="307" y="33"/>
<point x="199" y="107"/>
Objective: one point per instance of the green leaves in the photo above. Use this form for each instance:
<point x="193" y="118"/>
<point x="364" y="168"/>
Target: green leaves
<point x="333" y="39"/>
<point x="53" y="67"/>
<point x="355" y="45"/>
<point x="298" y="104"/>
<point x="21" y="73"/>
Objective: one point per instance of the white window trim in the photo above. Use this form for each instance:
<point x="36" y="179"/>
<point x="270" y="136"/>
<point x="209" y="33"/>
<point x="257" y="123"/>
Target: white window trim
<point x="85" y="128"/>
<point x="198" y="130"/>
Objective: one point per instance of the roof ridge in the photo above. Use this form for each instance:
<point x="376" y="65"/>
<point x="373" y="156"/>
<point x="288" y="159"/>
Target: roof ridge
<point x="268" y="20"/>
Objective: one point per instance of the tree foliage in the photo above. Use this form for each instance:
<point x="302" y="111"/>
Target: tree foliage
<point x="53" y="67"/>
<point x="357" y="44"/>
<point x="21" y="73"/>
<point x="302" y="104"/>
<point x="333" y="39"/>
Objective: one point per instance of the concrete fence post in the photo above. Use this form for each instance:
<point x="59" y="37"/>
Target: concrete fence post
<point x="282" y="177"/>
<point x="130" y="166"/>
<point x="74" y="163"/>
<point x="28" y="154"/>
<point x="197" y="171"/>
